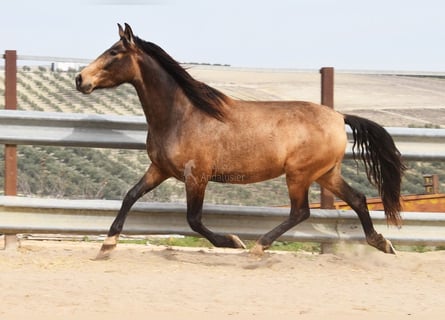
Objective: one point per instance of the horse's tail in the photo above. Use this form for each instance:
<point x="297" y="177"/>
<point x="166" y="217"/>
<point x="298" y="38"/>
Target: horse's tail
<point x="383" y="163"/>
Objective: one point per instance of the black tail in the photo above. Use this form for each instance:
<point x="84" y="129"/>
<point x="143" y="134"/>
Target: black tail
<point x="383" y="164"/>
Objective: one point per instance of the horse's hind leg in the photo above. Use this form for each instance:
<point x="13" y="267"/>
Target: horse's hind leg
<point x="334" y="182"/>
<point x="298" y="193"/>
<point x="195" y="197"/>
<point x="151" y="179"/>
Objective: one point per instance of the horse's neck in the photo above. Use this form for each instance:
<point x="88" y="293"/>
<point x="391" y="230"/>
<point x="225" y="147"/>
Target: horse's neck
<point x="158" y="94"/>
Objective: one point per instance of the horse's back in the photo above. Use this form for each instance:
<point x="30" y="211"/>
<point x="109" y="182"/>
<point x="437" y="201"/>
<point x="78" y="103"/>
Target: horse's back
<point x="288" y="136"/>
<point x="309" y="122"/>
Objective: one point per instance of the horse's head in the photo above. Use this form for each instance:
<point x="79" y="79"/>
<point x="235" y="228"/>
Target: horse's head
<point x="113" y="67"/>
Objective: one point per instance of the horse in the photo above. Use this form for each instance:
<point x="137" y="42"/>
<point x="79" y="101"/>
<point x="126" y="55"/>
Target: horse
<point x="197" y="134"/>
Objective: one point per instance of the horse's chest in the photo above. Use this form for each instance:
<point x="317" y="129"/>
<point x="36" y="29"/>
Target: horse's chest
<point x="166" y="157"/>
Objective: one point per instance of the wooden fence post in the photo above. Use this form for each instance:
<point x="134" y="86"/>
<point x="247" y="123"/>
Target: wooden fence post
<point x="327" y="99"/>
<point x="10" y="186"/>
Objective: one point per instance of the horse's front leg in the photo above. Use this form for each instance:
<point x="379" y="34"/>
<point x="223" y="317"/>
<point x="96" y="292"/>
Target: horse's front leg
<point x="151" y="179"/>
<point x="195" y="191"/>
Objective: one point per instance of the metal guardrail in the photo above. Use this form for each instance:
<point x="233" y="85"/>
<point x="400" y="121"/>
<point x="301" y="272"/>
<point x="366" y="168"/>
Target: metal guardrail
<point x="90" y="217"/>
<point x="69" y="129"/>
<point x="129" y="132"/>
<point x="422" y="144"/>
<point x="27" y="215"/>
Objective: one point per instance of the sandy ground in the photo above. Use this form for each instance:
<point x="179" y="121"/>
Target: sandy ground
<point x="58" y="280"/>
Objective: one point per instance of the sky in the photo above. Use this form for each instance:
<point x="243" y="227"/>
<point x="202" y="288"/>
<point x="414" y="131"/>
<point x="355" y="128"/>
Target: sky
<point x="403" y="35"/>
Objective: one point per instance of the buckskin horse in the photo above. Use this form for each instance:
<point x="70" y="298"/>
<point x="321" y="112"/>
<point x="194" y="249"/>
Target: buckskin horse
<point x="198" y="134"/>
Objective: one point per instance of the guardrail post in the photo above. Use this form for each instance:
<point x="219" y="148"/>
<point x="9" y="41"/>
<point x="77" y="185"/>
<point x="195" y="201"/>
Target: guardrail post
<point x="10" y="183"/>
<point x="10" y="242"/>
<point x="327" y="99"/>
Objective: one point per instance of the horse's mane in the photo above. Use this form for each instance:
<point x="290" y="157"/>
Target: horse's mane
<point x="201" y="95"/>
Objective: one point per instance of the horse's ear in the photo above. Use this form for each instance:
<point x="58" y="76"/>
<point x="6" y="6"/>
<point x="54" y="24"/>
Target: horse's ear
<point x="121" y="31"/>
<point x="128" y="34"/>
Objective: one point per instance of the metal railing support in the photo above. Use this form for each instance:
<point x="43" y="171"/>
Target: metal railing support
<point x="327" y="99"/>
<point x="10" y="104"/>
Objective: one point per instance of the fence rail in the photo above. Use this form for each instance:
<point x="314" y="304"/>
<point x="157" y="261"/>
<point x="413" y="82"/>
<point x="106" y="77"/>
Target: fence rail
<point x="24" y="215"/>
<point x="90" y="217"/>
<point x="129" y="132"/>
<point x="75" y="130"/>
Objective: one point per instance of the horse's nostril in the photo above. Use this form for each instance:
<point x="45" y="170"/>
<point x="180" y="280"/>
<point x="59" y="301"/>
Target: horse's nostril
<point x="78" y="81"/>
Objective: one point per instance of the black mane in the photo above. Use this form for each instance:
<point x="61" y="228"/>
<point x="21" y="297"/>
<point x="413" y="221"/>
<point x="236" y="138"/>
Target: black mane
<point x="202" y="96"/>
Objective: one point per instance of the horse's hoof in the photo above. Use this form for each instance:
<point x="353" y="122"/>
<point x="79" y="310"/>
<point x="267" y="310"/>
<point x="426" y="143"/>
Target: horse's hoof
<point x="102" y="255"/>
<point x="105" y="252"/>
<point x="389" y="248"/>
<point x="379" y="242"/>
<point x="257" y="250"/>
<point x="237" y="243"/>
<point x="108" y="246"/>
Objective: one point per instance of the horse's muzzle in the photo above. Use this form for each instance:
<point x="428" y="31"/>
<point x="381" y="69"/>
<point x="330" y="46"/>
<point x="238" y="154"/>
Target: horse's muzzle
<point x="81" y="86"/>
<point x="78" y="81"/>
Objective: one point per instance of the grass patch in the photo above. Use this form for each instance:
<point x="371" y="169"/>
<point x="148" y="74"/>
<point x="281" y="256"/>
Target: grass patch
<point x="180" y="241"/>
<point x="296" y="246"/>
<point x="419" y="249"/>
<point x="187" y="241"/>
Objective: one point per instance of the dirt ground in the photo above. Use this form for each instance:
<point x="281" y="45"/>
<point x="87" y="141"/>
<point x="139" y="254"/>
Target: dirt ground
<point x="58" y="280"/>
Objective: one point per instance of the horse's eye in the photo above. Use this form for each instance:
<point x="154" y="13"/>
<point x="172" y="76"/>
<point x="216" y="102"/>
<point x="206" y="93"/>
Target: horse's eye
<point x="113" y="52"/>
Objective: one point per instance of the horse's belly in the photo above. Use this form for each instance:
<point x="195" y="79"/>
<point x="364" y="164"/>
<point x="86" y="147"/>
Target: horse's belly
<point x="247" y="175"/>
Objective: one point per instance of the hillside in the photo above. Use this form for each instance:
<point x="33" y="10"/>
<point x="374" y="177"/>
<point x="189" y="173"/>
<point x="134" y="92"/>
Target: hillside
<point x="99" y="173"/>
